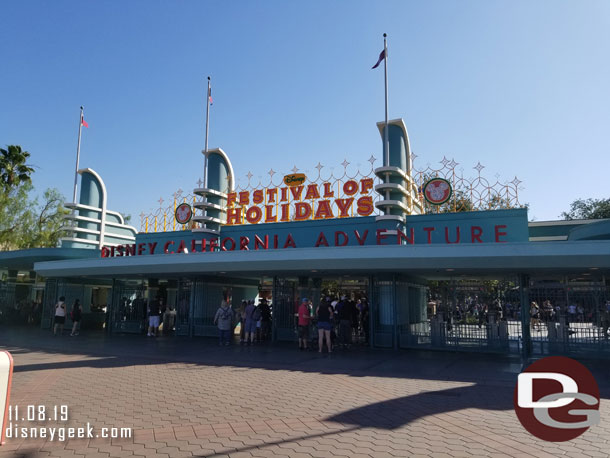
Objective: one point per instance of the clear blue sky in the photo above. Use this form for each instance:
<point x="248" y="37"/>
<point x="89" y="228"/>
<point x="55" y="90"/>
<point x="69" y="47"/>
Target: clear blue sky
<point x="521" y="86"/>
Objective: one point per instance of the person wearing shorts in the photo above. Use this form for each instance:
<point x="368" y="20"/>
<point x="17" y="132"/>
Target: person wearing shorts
<point x="324" y="315"/>
<point x="303" y="323"/>
<point x="154" y="311"/>
<point x="60" y="316"/>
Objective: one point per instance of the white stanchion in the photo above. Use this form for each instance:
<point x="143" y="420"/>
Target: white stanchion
<point x="6" y="376"/>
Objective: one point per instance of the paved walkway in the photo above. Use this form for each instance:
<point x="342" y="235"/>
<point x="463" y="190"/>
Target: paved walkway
<point x="187" y="397"/>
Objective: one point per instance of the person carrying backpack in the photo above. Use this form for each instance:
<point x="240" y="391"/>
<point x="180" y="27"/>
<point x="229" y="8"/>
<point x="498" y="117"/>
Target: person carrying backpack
<point x="224" y="320"/>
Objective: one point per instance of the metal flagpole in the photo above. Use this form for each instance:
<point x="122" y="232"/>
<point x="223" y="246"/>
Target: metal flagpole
<point x="207" y="128"/>
<point x="386" y="138"/>
<point x="80" y="126"/>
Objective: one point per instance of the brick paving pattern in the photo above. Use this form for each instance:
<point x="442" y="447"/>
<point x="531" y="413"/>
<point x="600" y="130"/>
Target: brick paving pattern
<point x="191" y="398"/>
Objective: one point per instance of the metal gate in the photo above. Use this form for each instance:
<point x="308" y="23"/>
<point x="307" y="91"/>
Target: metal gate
<point x="129" y="307"/>
<point x="284" y="305"/>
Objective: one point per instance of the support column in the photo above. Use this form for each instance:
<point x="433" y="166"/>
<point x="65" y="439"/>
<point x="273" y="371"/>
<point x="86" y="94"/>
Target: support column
<point x="524" y="298"/>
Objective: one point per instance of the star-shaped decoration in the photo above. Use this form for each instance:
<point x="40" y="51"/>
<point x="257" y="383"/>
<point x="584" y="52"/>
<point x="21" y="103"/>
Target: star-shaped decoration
<point x="452" y="164"/>
<point x="142" y="215"/>
<point x="497" y="175"/>
<point x="319" y="167"/>
<point x="345" y="163"/>
<point x="179" y="192"/>
<point x="176" y="194"/>
<point x="271" y="173"/>
<point x="199" y="182"/>
<point x="372" y="159"/>
<point x="479" y="167"/>
<point x="249" y="175"/>
<point x="445" y="161"/>
<point x="516" y="181"/>
<point x="294" y="169"/>
<point x="413" y="156"/>
<point x="160" y="201"/>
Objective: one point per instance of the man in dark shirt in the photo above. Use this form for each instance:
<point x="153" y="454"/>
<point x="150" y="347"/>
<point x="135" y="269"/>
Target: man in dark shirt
<point x="344" y="312"/>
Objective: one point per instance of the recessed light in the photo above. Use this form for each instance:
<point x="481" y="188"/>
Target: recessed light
<point x="449" y="270"/>
<point x="593" y="268"/>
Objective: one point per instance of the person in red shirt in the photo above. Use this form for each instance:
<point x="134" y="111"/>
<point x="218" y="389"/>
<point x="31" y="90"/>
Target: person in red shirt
<point x="304" y="320"/>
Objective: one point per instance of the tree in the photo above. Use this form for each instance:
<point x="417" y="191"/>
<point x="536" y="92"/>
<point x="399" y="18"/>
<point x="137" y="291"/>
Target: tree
<point x="588" y="209"/>
<point x="26" y="224"/>
<point x="13" y="167"/>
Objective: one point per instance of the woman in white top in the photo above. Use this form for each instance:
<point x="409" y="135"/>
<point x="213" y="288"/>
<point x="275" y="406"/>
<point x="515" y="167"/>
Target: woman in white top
<point x="60" y="316"/>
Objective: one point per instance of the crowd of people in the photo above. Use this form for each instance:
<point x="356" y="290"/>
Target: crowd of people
<point x="254" y="322"/>
<point x="339" y="322"/>
<point x="335" y="322"/>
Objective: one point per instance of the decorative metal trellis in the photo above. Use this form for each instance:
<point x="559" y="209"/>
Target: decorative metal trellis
<point x="469" y="193"/>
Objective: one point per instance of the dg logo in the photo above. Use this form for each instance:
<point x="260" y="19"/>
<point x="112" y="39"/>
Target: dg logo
<point x="557" y="399"/>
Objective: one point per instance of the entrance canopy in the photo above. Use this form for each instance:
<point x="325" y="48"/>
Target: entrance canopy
<point x="424" y="260"/>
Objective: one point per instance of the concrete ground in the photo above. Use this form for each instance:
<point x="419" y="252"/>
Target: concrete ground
<point x="186" y="397"/>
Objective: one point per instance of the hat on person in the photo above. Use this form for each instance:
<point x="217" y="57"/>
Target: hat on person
<point x="304" y="300"/>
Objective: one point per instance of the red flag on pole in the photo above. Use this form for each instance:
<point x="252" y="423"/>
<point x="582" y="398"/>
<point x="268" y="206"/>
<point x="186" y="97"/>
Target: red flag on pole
<point x="381" y="57"/>
<point x="83" y="122"/>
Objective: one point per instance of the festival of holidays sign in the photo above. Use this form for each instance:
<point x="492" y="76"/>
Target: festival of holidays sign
<point x="300" y="202"/>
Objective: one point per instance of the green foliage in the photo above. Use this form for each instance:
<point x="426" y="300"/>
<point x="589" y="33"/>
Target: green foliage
<point x="24" y="223"/>
<point x="13" y="167"/>
<point x="588" y="209"/>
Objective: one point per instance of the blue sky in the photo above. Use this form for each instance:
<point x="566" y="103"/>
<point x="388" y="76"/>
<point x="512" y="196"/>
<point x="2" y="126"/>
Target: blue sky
<point x="521" y="86"/>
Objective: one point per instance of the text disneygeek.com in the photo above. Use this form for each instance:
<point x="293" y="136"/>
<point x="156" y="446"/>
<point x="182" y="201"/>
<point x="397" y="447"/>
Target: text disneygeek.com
<point x="18" y="427"/>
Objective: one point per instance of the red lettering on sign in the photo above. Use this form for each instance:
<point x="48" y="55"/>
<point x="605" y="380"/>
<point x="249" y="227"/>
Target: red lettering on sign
<point x="429" y="230"/>
<point x="327" y="190"/>
<point x="312" y="192"/>
<point x="302" y="211"/>
<point x="182" y="247"/>
<point x="344" y="205"/>
<point x="363" y="239"/>
<point x="119" y="250"/>
<point x="244" y="198"/>
<point x="223" y="244"/>
<point x="151" y="247"/>
<point x="204" y="243"/>
<point x="402" y="236"/>
<point x="475" y="234"/>
<point x="231" y="198"/>
<point x="275" y="241"/>
<point x="290" y="242"/>
<point x="258" y="242"/>
<point x="321" y="240"/>
<point x="500" y="233"/>
<point x="350" y="188"/>
<point x="269" y="216"/>
<point x="284" y="194"/>
<point x="141" y="247"/>
<point x="105" y="252"/>
<point x="366" y="184"/>
<point x="166" y="246"/>
<point x="213" y="244"/>
<point x="112" y="251"/>
<point x="254" y="215"/>
<point x="345" y="238"/>
<point x="285" y="212"/>
<point x="243" y="243"/>
<point x="257" y="196"/>
<point x="233" y="216"/>
<point x="381" y="235"/>
<point x="271" y="193"/>
<point x="193" y="246"/>
<point x="457" y="237"/>
<point x="365" y="205"/>
<point x="324" y="210"/>
<point x="296" y="192"/>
